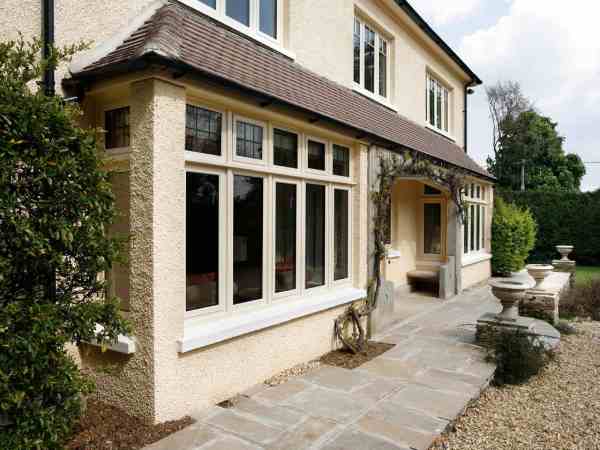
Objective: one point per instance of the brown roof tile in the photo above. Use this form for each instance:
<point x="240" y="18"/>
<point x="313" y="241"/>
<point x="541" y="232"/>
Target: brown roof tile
<point x="184" y="36"/>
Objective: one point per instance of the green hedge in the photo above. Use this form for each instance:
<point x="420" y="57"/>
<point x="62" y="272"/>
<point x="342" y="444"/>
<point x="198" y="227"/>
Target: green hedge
<point x="563" y="218"/>
<point x="513" y="237"/>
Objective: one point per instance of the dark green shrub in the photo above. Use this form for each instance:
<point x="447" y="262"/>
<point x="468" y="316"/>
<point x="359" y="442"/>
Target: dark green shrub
<point x="570" y="218"/>
<point x="55" y="205"/>
<point x="513" y="237"/>
<point x="583" y="300"/>
<point x="517" y="356"/>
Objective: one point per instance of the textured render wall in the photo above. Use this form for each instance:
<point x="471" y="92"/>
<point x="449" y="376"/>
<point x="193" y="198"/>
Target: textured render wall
<point x="476" y="273"/>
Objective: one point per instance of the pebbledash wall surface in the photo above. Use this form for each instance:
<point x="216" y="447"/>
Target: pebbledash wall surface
<point x="173" y="371"/>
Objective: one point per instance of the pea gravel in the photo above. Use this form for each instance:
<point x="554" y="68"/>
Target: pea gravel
<point x="557" y="409"/>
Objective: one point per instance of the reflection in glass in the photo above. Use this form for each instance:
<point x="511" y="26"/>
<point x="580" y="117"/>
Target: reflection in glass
<point x="382" y="68"/>
<point x="432" y="229"/>
<point x="211" y="3"/>
<point x="285" y="237"/>
<point x="341" y="160"/>
<point x="203" y="130"/>
<point x="247" y="238"/>
<point x="316" y="155"/>
<point x="369" y="59"/>
<point x="239" y="10"/>
<point x="341" y="235"/>
<point x="356" y="50"/>
<point x="315" y="235"/>
<point x="285" y="148"/>
<point x="202" y="240"/>
<point x="268" y="17"/>
<point x="249" y="140"/>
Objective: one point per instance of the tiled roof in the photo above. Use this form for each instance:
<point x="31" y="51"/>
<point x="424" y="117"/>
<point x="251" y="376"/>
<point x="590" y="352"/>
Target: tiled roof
<point x="182" y="36"/>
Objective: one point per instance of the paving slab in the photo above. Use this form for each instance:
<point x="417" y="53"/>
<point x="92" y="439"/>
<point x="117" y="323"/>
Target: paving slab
<point x="392" y="368"/>
<point x="338" y="378"/>
<point x="282" y="392"/>
<point x="357" y="440"/>
<point x="274" y="414"/>
<point x="432" y="402"/>
<point x="245" y="427"/>
<point x="228" y="443"/>
<point x="305" y="435"/>
<point x="194" y="436"/>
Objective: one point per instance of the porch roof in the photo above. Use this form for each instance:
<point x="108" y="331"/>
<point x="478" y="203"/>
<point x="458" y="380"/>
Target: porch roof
<point x="181" y="37"/>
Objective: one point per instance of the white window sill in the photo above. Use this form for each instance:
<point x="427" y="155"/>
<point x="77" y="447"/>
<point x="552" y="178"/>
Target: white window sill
<point x="440" y="132"/>
<point x="393" y="254"/>
<point x="469" y="260"/>
<point x="381" y="100"/>
<point x="204" y="334"/>
<point x="123" y="344"/>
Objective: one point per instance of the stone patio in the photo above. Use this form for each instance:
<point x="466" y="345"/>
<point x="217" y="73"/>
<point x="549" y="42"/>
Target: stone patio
<point x="402" y="399"/>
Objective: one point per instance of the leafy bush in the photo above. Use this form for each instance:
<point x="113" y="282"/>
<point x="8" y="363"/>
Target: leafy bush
<point x="55" y="205"/>
<point x="583" y="300"/>
<point x="513" y="237"/>
<point x="569" y="218"/>
<point x="517" y="356"/>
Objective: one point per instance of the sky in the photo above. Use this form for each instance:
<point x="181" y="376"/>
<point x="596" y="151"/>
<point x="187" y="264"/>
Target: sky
<point x="551" y="47"/>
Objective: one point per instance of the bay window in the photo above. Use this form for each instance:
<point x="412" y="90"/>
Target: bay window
<point x="438" y="105"/>
<point x="370" y="56"/>
<point x="278" y="231"/>
<point x="474" y="225"/>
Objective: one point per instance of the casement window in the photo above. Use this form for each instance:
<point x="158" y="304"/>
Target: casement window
<point x="474" y="225"/>
<point x="259" y="234"/>
<point x="438" y="105"/>
<point x="432" y="228"/>
<point x="259" y="16"/>
<point x="116" y="124"/>
<point x="371" y="59"/>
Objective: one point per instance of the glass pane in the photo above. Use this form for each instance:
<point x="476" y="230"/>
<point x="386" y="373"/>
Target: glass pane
<point x="316" y="155"/>
<point x="239" y="10"/>
<point x="382" y="68"/>
<point x="202" y="240"/>
<point x="341" y="160"/>
<point x="466" y="232"/>
<point x="116" y="123"/>
<point x="268" y="17"/>
<point x="432" y="229"/>
<point x="285" y="237"/>
<point x="478" y="240"/>
<point x="315" y="235"/>
<point x="249" y="140"/>
<point x="472" y="223"/>
<point x="446" y="108"/>
<point x="356" y="45"/>
<point x="369" y="59"/>
<point x="211" y="3"/>
<point x="439" y="106"/>
<point x="247" y="238"/>
<point x="431" y="102"/>
<point x="341" y="235"/>
<point x="285" y="147"/>
<point x="203" y="130"/>
<point x="482" y="227"/>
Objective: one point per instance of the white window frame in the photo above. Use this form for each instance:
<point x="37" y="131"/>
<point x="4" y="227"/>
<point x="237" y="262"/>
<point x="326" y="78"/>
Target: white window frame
<point x="447" y="100"/>
<point x="253" y="30"/>
<point x="472" y="198"/>
<point x="360" y="86"/>
<point x="348" y="279"/>
<point x="229" y="165"/>
<point x="265" y="141"/>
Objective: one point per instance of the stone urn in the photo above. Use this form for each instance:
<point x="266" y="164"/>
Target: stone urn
<point x="510" y="292"/>
<point x="539" y="272"/>
<point x="565" y="251"/>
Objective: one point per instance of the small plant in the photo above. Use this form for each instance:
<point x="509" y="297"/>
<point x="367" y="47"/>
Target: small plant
<point x="566" y="328"/>
<point x="583" y="300"/>
<point x="517" y="355"/>
<point x="513" y="237"/>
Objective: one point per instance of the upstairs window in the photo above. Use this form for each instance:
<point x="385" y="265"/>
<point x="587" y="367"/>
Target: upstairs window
<point x="370" y="53"/>
<point x="203" y="130"/>
<point x="341" y="160"/>
<point x="438" y="104"/>
<point x="258" y="15"/>
<point x="116" y="123"/>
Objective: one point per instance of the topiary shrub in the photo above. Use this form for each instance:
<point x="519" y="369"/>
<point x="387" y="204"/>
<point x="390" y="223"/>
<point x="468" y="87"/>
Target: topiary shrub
<point x="517" y="356"/>
<point x="55" y="205"/>
<point x="513" y="237"/>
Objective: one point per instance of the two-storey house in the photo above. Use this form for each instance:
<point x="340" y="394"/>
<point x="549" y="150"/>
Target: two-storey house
<point x="243" y="137"/>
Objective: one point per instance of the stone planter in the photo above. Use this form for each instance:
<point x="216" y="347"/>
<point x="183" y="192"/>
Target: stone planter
<point x="565" y="251"/>
<point x="539" y="272"/>
<point x="510" y="292"/>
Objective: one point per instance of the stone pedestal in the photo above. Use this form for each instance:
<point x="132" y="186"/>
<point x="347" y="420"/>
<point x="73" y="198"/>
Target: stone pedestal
<point x="384" y="313"/>
<point x="560" y="265"/>
<point x="489" y="326"/>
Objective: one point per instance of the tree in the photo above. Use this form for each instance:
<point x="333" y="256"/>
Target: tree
<point x="55" y="207"/>
<point x="526" y="141"/>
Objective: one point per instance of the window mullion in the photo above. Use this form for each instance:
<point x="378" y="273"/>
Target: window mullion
<point x="362" y="54"/>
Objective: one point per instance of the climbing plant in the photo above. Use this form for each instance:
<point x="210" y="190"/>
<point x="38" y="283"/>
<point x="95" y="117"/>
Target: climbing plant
<point x="348" y="326"/>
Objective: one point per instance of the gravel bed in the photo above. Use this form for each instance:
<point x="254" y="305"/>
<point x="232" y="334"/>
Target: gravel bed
<point x="296" y="371"/>
<point x="557" y="409"/>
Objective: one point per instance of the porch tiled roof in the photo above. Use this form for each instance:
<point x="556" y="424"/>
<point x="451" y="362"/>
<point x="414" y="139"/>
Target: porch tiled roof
<point x="176" y="34"/>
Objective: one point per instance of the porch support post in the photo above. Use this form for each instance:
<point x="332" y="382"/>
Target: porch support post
<point x="455" y="240"/>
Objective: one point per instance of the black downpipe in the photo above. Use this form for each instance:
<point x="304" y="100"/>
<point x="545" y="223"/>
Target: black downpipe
<point x="466" y="131"/>
<point x="48" y="42"/>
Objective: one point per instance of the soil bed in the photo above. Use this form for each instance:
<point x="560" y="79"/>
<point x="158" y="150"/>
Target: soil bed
<point x="349" y="360"/>
<point x="105" y="427"/>
<point x="557" y="409"/>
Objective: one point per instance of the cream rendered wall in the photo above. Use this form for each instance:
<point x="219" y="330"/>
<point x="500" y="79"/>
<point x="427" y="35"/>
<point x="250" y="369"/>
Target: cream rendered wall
<point x="476" y="273"/>
<point x="405" y="231"/>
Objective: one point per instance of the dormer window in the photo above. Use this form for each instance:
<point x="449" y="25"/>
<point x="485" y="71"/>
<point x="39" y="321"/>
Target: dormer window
<point x="370" y="59"/>
<point x="260" y="17"/>
<point x="438" y="105"/>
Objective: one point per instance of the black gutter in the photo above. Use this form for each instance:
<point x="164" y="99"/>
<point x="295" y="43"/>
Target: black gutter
<point x="421" y="23"/>
<point x="48" y="42"/>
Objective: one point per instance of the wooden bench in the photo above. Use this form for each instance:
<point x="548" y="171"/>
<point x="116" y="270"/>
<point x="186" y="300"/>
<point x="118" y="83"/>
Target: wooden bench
<point x="430" y="277"/>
